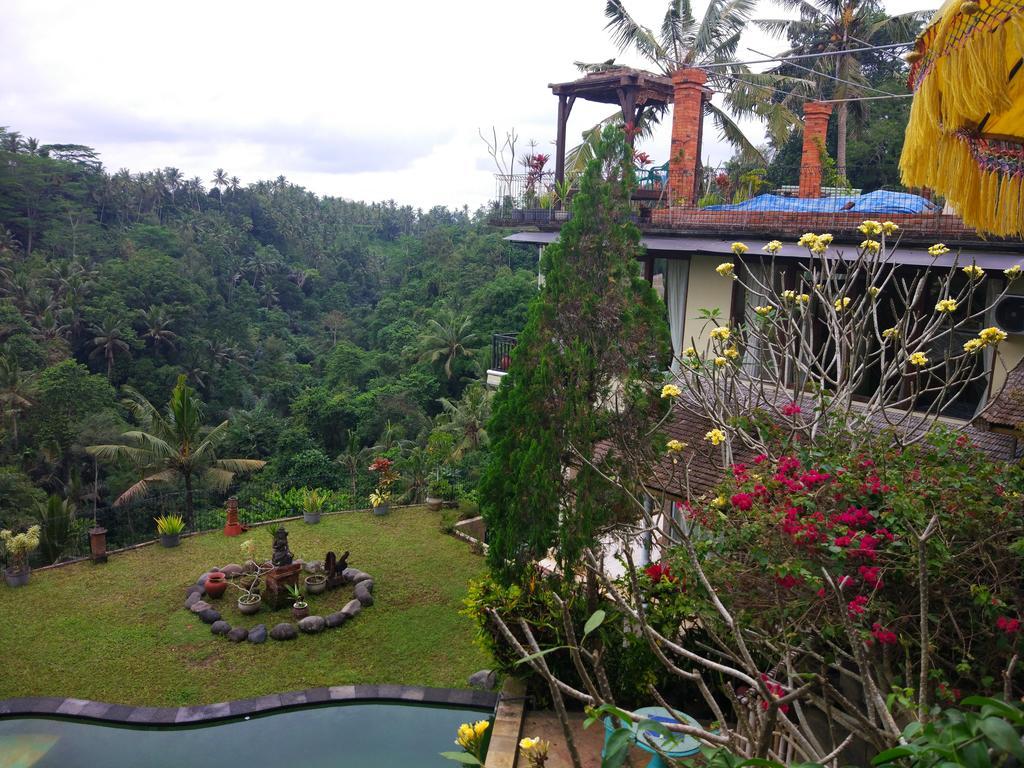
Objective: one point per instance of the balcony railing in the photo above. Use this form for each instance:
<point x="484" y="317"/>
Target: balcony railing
<point x="733" y="204"/>
<point x="502" y="345"/>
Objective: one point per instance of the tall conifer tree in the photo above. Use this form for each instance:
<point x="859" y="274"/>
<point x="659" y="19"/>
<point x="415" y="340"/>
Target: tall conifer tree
<point x="583" y="384"/>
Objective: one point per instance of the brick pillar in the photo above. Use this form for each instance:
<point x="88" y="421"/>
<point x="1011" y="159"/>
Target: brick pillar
<point x="816" y="117"/>
<point x="687" y="118"/>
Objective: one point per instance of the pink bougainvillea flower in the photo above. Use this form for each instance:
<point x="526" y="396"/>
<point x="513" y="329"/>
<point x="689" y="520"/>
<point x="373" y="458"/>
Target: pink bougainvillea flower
<point x="871" y="576"/>
<point x="791" y="409"/>
<point x="856" y="606"/>
<point x="761" y="458"/>
<point x="742" y="501"/>
<point x="882" y="635"/>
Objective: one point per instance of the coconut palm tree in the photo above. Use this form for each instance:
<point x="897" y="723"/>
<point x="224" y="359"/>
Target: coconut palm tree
<point x="839" y="26"/>
<point x="15" y="393"/>
<point x="448" y="338"/>
<point x="174" y="445"/>
<point x="157" y="327"/>
<point x="686" y="41"/>
<point x="354" y="459"/>
<point x="466" y="419"/>
<point x="109" y="341"/>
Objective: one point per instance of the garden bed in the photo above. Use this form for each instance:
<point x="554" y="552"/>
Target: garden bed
<point x="116" y="632"/>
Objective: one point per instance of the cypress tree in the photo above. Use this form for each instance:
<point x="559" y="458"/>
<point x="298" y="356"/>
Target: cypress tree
<point x="582" y="387"/>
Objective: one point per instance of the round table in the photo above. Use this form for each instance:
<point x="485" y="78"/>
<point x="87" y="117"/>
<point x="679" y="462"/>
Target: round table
<point x="675" y="745"/>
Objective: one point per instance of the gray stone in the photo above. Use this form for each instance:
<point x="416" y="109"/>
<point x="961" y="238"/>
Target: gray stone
<point x="485" y="680"/>
<point x="201" y="581"/>
<point x="284" y="632"/>
<point x="312" y="624"/>
<point x="199" y="606"/>
<point x="193" y="598"/>
<point x="313" y="566"/>
<point x="354" y="575"/>
<point x="220" y="627"/>
<point x="209" y="616"/>
<point x="232" y="570"/>
<point x="363" y="594"/>
<point x="194" y="589"/>
<point x="352" y="607"/>
<point x="336" y="619"/>
<point x="366" y="584"/>
<point x="238" y="634"/>
<point x="258" y="634"/>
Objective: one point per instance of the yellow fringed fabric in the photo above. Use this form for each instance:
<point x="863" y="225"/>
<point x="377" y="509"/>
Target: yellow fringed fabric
<point x="965" y="137"/>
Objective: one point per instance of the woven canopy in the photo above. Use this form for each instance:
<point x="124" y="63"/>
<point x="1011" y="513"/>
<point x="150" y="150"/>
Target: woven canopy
<point x="965" y="138"/>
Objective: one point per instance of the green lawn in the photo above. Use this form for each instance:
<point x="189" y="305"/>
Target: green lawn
<point x="119" y="633"/>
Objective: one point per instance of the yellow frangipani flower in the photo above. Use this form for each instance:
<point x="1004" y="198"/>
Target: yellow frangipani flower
<point x="773" y="247"/>
<point x="946" y="306"/>
<point x="718" y="501"/>
<point x="720" y="361"/>
<point x="690" y="352"/>
<point x="732" y="353"/>
<point x="872" y="246"/>
<point x="726" y="269"/>
<point x="891" y="333"/>
<point x="890" y="228"/>
<point x="825" y="239"/>
<point x="765" y="310"/>
<point x="873" y="291"/>
<point x="803" y="298"/>
<point x="842" y="303"/>
<point x="670" y="390"/>
<point x="1014" y="272"/>
<point x="974" y="272"/>
<point x="807" y="239"/>
<point x="992" y="335"/>
<point x="871" y="227"/>
<point x="720" y="334"/>
<point x="939" y="249"/>
<point x="675" y="446"/>
<point x="789" y="295"/>
<point x="974" y="345"/>
<point x="739" y="248"/>
<point x="480" y="726"/>
<point x="715" y="436"/>
<point x="528" y="742"/>
<point x="918" y="358"/>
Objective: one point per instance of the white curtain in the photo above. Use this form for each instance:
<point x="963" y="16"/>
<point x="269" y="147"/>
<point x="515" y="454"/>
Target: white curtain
<point x="676" y="273"/>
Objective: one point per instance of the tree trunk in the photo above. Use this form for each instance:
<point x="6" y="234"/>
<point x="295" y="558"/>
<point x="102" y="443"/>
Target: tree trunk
<point x="842" y="113"/>
<point x="189" y="516"/>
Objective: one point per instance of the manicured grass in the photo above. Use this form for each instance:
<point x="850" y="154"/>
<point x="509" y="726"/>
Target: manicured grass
<point x="119" y="633"/>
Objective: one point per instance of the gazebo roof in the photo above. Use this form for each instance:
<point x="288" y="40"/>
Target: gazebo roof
<point x="1007" y="408"/>
<point x="605" y="86"/>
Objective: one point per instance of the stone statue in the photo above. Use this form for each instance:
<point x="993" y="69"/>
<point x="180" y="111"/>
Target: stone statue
<point x="282" y="555"/>
<point x="333" y="568"/>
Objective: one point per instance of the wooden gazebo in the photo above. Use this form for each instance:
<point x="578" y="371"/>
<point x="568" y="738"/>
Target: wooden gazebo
<point x="633" y="90"/>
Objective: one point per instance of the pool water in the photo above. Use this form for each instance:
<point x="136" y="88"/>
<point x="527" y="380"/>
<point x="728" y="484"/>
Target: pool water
<point x="384" y="735"/>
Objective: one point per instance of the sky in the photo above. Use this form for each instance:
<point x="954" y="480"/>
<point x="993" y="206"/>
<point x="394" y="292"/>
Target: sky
<point x="362" y="100"/>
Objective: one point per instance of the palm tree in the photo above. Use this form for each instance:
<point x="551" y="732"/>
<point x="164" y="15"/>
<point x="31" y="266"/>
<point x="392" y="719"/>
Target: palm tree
<point x="685" y="41"/>
<point x="157" y="327"/>
<point x="838" y="26"/>
<point x="174" y="445"/>
<point x="15" y="390"/>
<point x="220" y="179"/>
<point x="466" y="419"/>
<point x="448" y="339"/>
<point x="354" y="458"/>
<point x="109" y="341"/>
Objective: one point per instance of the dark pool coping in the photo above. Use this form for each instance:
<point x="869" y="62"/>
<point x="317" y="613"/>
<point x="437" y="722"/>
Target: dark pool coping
<point x="50" y="706"/>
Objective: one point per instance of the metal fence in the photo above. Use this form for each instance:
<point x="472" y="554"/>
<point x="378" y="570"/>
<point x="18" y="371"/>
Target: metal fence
<point x="502" y="345"/>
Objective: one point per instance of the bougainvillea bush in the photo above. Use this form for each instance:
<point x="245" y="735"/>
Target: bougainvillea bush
<point x="818" y="553"/>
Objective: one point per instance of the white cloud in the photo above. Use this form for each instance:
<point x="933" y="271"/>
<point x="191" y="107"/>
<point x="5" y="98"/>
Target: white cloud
<point x="363" y="100"/>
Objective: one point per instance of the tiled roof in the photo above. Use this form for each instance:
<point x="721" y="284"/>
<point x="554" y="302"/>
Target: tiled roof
<point x="1007" y="408"/>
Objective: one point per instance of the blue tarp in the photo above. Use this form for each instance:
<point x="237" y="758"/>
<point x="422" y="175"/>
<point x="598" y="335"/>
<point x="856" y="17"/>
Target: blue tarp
<point x="879" y="202"/>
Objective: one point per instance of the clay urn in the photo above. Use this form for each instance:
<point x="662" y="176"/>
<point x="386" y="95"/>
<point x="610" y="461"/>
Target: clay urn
<point x="216" y="584"/>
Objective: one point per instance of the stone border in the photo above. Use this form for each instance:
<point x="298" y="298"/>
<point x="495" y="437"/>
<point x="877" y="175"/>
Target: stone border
<point x="84" y="709"/>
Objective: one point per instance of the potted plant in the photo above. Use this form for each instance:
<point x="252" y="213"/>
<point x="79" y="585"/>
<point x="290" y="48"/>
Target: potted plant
<point x="316" y="584"/>
<point x="380" y="500"/>
<point x="170" y="528"/>
<point x="251" y="600"/>
<point x="436" y="494"/>
<point x="313" y="502"/>
<point x="18" y="546"/>
<point x="300" y="608"/>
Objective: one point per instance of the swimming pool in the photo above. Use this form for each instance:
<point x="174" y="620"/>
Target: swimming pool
<point x="364" y="735"/>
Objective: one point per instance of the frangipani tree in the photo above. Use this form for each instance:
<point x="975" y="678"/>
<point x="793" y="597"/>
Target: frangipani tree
<point x="174" y="445"/>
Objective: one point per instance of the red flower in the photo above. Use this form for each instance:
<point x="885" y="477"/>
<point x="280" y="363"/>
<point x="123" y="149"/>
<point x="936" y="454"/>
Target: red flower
<point x="790" y="409"/>
<point x="856" y="606"/>
<point x="1008" y="625"/>
<point x="871" y="576"/>
<point x="761" y="458"/>
<point x="742" y="501"/>
<point x="788" y="581"/>
<point x="883" y="635"/>
<point x="656" y="572"/>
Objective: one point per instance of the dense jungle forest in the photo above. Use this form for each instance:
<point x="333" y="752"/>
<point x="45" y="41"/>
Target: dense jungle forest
<point x="325" y="332"/>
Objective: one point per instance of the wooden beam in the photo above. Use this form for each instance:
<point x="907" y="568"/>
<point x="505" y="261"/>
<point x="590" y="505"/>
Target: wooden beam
<point x="564" y="108"/>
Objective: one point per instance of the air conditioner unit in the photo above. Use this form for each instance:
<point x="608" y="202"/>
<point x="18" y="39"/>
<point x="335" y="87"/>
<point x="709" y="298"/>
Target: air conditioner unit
<point x="1009" y="314"/>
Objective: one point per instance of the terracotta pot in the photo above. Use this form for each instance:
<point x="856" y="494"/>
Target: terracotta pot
<point x="98" y="544"/>
<point x="216" y="585"/>
<point x="250" y="608"/>
<point x="300" y="613"/>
